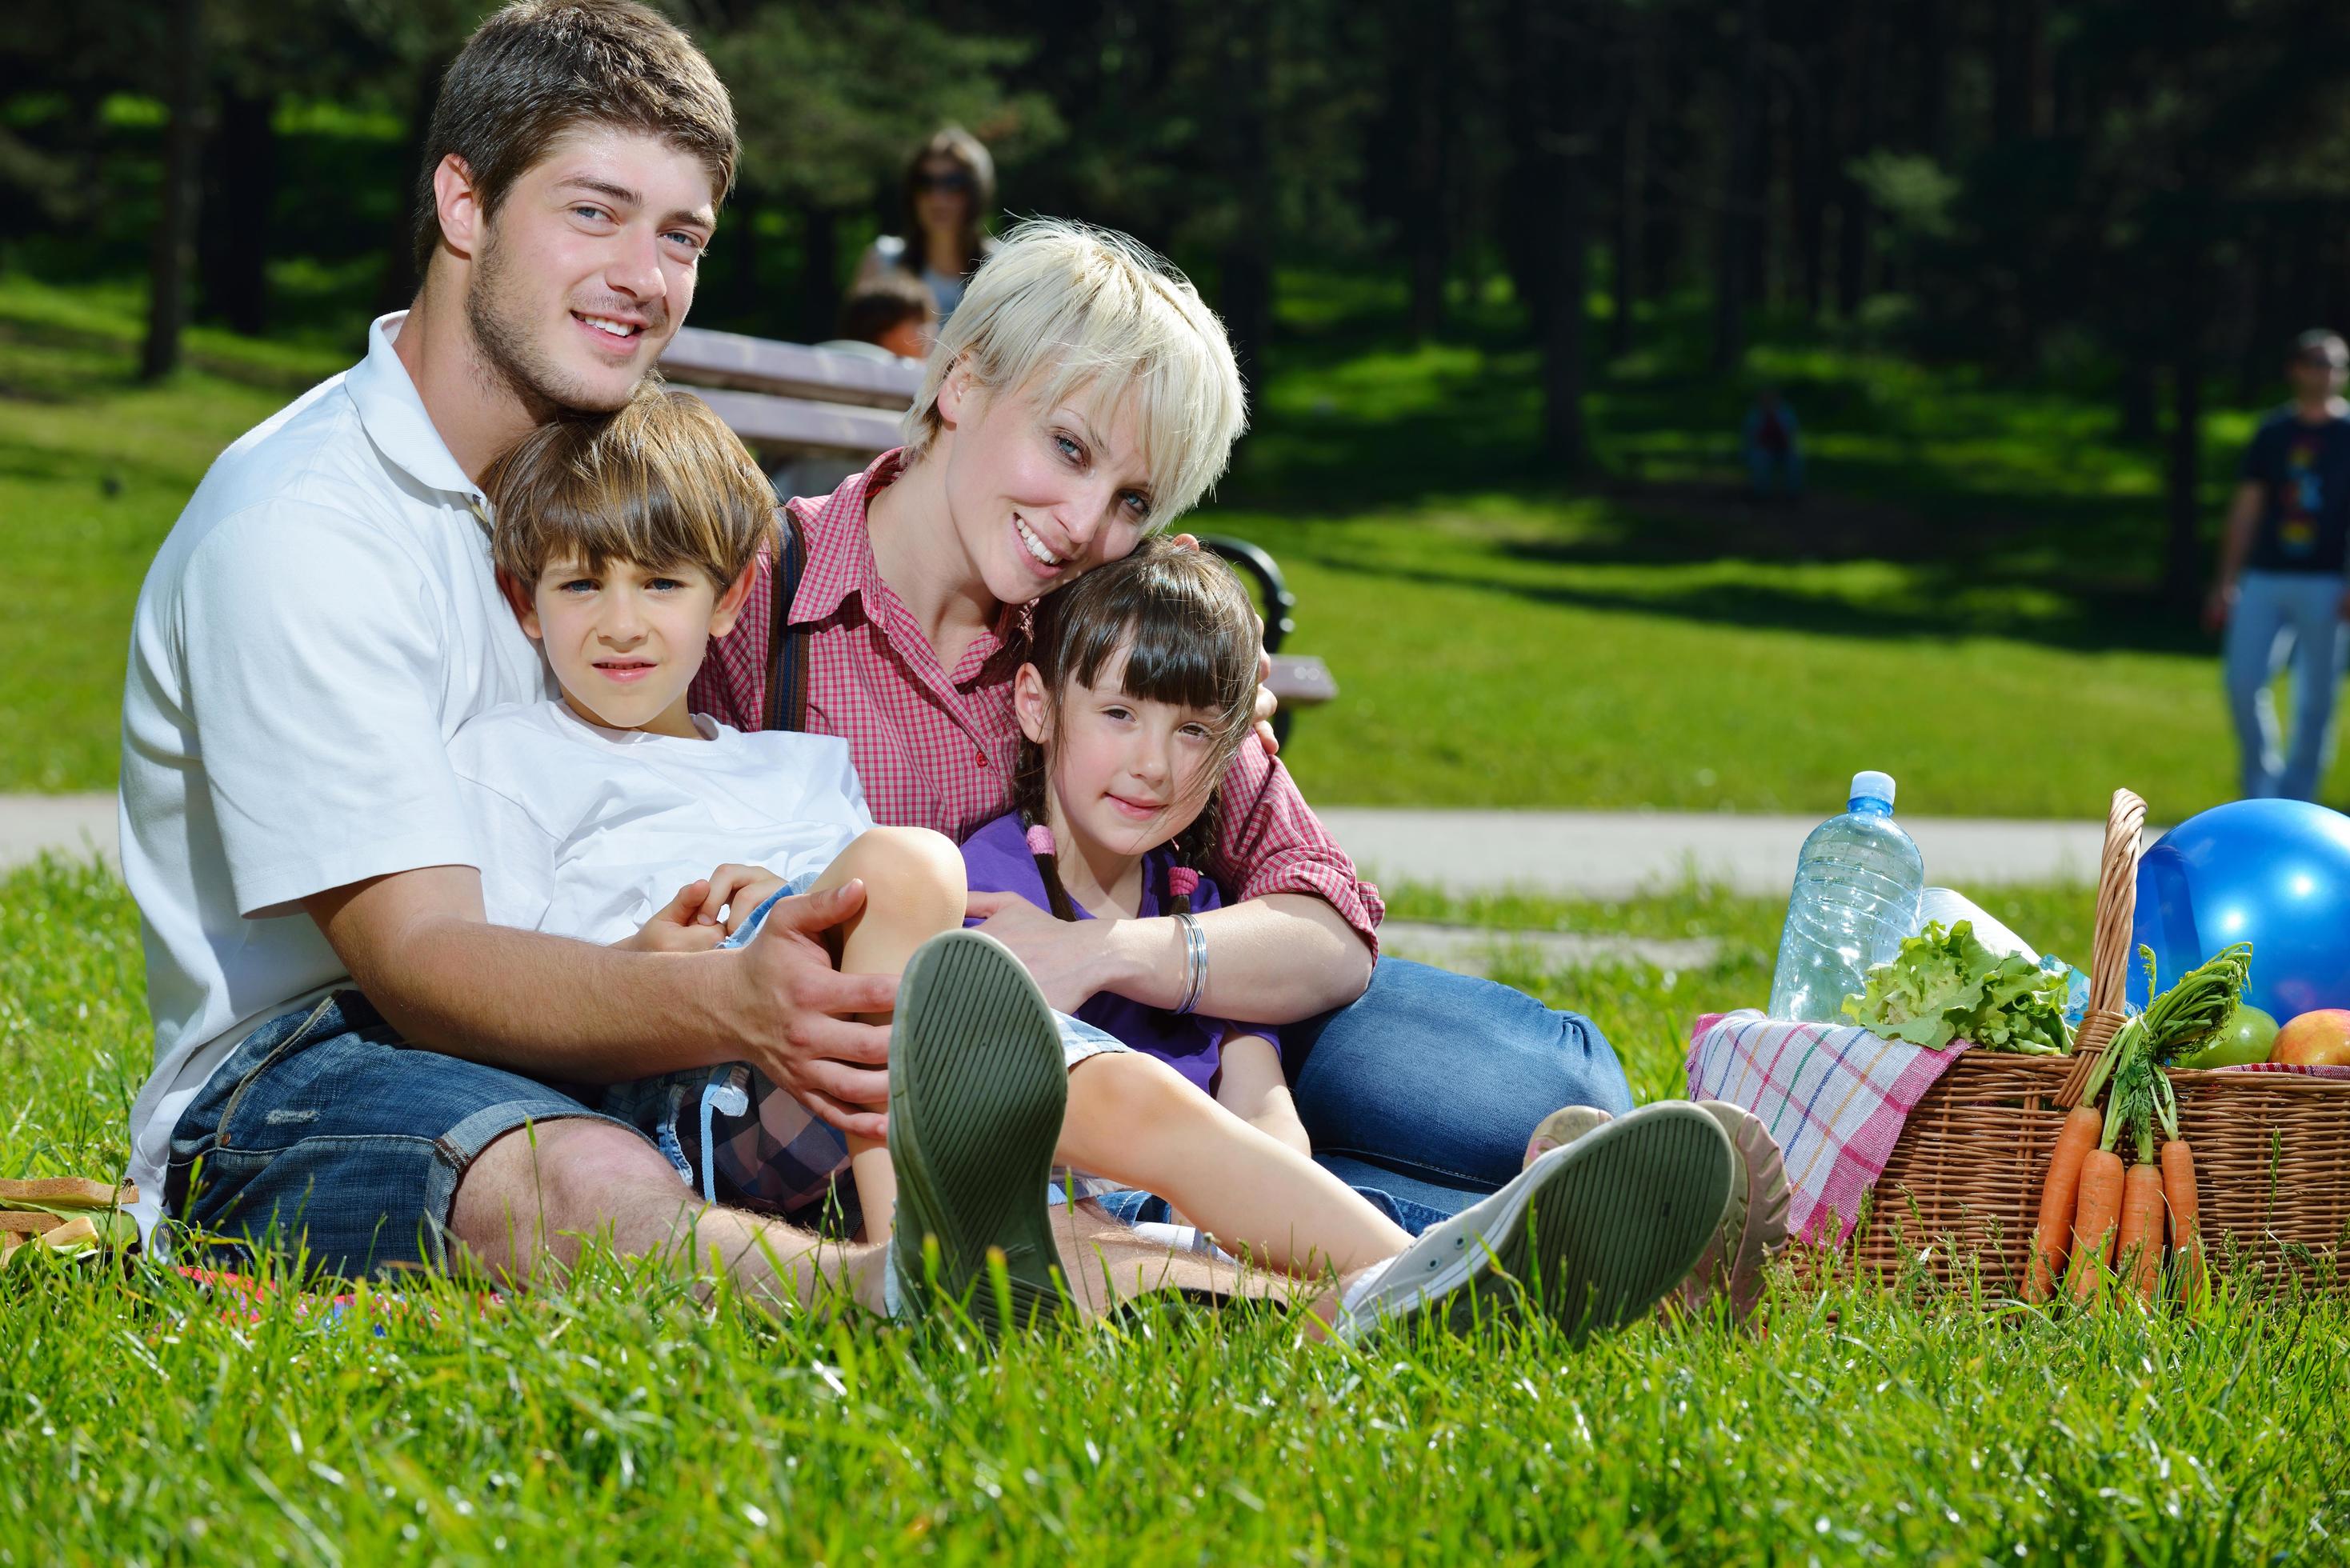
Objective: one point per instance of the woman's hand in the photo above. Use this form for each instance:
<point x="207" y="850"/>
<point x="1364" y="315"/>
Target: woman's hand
<point x="738" y="890"/>
<point x="679" y="926"/>
<point x="1063" y="957"/>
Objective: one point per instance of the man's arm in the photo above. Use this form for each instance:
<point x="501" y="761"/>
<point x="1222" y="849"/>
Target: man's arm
<point x="2235" y="549"/>
<point x="416" y="944"/>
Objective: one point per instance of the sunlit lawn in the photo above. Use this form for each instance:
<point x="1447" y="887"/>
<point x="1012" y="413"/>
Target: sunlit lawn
<point x="618" y="1420"/>
<point x="1964" y="602"/>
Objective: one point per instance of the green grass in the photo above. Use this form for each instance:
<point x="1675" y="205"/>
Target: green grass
<point x="93" y="469"/>
<point x="1965" y="602"/>
<point x="619" y="1419"/>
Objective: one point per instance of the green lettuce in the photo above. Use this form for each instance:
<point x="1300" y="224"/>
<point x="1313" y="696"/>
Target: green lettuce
<point x="1945" y="984"/>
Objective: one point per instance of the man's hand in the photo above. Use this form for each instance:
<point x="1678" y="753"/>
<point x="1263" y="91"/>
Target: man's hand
<point x="2223" y="605"/>
<point x="1061" y="956"/>
<point x="679" y="926"/>
<point x="738" y="890"/>
<point x="800" y="1015"/>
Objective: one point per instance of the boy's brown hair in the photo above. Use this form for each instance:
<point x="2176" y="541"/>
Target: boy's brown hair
<point x="882" y="303"/>
<point x="659" y="484"/>
<point x="539" y="68"/>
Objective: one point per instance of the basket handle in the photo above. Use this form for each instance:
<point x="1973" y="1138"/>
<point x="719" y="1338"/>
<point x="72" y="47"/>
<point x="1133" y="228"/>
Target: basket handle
<point x="2109" y="959"/>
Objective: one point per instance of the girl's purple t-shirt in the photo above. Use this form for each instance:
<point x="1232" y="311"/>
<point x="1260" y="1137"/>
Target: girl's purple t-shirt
<point x="997" y="859"/>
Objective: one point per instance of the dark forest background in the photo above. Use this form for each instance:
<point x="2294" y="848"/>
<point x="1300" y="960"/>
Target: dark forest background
<point x="2154" y="197"/>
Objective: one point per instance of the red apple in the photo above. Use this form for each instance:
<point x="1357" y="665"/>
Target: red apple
<point x="2318" y="1039"/>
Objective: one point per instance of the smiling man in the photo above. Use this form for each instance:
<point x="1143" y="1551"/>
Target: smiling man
<point x="347" y="1054"/>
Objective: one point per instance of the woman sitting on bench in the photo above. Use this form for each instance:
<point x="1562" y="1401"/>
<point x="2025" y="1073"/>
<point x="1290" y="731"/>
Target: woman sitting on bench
<point x="1081" y="398"/>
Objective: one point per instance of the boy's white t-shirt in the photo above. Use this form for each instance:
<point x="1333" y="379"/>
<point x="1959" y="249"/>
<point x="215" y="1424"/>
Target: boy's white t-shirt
<point x="588" y="832"/>
<point x="316" y="626"/>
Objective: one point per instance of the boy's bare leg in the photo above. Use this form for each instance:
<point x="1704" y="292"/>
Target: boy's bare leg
<point x="524" y="1207"/>
<point x="528" y="1203"/>
<point x="1133" y="1118"/>
<point x="914" y="889"/>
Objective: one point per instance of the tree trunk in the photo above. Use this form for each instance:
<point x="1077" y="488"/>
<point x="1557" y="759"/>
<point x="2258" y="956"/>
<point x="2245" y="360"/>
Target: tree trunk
<point x="1247" y="263"/>
<point x="240" y="194"/>
<point x="175" y="229"/>
<point x="401" y="279"/>
<point x="1863" y="62"/>
<point x="1429" y="38"/>
<point x="819" y="273"/>
<point x="2183" y="553"/>
<point x="1740" y="178"/>
<point x="2138" y="421"/>
<point x="1565" y="441"/>
<point x="1632" y="216"/>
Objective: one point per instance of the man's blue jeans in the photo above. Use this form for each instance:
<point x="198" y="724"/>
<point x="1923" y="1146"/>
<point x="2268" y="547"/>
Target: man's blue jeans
<point x="1427" y="1087"/>
<point x="2281" y="616"/>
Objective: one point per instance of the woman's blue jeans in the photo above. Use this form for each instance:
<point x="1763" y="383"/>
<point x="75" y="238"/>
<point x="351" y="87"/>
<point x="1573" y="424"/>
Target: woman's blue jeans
<point x="1427" y="1087"/>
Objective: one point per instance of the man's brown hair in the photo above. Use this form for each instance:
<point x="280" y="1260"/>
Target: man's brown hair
<point x="659" y="484"/>
<point x="539" y="68"/>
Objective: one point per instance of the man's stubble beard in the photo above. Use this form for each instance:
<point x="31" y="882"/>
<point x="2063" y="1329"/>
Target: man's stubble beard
<point x="511" y="361"/>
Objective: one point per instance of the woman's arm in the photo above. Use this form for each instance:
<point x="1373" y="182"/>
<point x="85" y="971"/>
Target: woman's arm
<point x="1300" y="940"/>
<point x="1251" y="1087"/>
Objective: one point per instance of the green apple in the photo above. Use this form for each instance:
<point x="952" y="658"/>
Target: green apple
<point x="2246" y="1037"/>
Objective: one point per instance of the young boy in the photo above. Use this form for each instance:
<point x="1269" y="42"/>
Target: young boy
<point x="622" y="545"/>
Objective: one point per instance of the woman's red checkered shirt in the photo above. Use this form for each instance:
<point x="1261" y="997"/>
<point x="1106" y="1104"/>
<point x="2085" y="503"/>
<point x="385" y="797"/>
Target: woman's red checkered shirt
<point x="935" y="748"/>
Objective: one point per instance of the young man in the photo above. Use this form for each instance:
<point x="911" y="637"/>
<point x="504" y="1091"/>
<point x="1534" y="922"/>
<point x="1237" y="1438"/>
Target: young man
<point x="321" y="620"/>
<point x="2281" y="591"/>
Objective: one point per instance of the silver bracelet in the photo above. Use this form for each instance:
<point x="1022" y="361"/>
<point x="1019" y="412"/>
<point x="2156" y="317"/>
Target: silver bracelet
<point x="1195" y="961"/>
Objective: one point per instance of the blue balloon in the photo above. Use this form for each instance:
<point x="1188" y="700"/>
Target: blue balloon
<point x="2273" y="873"/>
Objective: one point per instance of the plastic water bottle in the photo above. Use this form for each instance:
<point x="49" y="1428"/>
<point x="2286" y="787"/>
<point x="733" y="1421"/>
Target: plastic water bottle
<point x="1856" y="887"/>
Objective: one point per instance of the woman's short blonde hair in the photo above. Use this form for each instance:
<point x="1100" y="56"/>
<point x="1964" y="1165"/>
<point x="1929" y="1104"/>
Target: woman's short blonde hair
<point x="660" y="482"/>
<point x="1064" y="306"/>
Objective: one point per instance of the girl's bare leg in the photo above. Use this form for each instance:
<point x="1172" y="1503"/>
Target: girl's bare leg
<point x="1134" y="1119"/>
<point x="914" y="889"/>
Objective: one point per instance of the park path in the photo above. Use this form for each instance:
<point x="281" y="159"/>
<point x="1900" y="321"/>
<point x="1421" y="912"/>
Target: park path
<point x="1578" y="853"/>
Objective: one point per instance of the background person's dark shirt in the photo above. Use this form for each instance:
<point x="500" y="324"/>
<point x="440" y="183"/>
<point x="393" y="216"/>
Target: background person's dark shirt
<point x="2303" y="473"/>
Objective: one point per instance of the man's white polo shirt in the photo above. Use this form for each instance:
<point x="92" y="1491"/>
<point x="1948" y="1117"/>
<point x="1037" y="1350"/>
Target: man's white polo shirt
<point x="320" y="620"/>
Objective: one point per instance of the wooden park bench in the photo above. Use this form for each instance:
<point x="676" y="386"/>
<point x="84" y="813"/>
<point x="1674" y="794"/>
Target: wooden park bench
<point x="787" y="400"/>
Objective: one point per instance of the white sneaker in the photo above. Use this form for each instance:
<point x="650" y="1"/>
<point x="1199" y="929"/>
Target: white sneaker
<point x="1591" y="1234"/>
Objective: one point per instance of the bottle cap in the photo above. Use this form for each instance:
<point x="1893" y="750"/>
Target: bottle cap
<point x="1873" y="787"/>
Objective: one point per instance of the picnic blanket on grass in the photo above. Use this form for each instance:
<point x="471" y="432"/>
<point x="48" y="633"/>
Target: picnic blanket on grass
<point x="1834" y="1095"/>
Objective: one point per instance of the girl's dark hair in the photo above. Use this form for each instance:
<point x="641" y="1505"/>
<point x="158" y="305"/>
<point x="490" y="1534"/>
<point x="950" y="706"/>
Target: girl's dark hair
<point x="1188" y="635"/>
<point x="970" y="154"/>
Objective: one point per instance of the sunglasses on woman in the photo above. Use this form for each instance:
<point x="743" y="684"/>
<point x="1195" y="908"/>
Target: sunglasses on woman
<point x="957" y="181"/>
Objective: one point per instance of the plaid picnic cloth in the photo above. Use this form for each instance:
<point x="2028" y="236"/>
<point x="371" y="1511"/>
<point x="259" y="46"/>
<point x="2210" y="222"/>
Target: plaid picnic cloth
<point x="1834" y="1095"/>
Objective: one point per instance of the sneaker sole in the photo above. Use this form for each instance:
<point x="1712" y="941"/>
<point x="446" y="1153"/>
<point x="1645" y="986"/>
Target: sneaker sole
<point x="1622" y="1215"/>
<point x="977" y="1090"/>
<point x="1754" y="1224"/>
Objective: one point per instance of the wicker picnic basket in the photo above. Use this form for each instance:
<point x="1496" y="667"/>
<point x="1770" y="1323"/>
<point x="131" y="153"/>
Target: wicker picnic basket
<point x="1961" y="1191"/>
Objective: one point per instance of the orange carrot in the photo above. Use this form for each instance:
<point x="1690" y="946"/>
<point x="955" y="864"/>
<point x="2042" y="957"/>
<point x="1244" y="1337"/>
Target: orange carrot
<point x="2058" y="1194"/>
<point x="2138" y="1243"/>
<point x="2186" y="1214"/>
<point x="2094" y="1218"/>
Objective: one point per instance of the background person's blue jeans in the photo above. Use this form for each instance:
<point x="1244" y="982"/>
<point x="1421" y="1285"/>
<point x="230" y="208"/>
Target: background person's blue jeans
<point x="1427" y="1087"/>
<point x="2281" y="616"/>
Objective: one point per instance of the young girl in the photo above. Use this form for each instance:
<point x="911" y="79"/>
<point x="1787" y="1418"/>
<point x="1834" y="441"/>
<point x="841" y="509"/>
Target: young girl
<point x="1141" y="684"/>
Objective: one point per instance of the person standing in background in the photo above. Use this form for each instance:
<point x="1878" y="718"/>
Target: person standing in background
<point x="2282" y="592"/>
<point x="1773" y="449"/>
<point x="949" y="189"/>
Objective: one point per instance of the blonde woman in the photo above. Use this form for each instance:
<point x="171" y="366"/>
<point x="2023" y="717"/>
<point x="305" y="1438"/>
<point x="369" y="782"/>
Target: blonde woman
<point x="1081" y="398"/>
